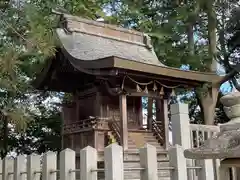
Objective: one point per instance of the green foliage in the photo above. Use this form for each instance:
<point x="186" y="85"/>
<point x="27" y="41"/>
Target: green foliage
<point x="43" y="134"/>
<point x="27" y="40"/>
<point x="40" y="37"/>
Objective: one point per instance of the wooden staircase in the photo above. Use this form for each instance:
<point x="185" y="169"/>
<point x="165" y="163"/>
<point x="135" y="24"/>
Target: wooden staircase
<point x="132" y="160"/>
<point x="137" y="139"/>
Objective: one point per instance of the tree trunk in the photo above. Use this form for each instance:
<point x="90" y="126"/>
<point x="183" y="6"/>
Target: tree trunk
<point x="212" y="37"/>
<point x="190" y="39"/>
<point x="209" y="100"/>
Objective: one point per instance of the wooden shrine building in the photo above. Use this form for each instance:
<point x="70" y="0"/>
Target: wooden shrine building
<point x="108" y="70"/>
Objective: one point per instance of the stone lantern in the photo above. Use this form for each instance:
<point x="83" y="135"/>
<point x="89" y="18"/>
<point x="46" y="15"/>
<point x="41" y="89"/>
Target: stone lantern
<point x="226" y="143"/>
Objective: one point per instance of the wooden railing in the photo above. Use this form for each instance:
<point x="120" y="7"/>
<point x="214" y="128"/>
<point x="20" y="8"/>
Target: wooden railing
<point x="79" y="125"/>
<point x="84" y="124"/>
<point x="157" y="130"/>
<point x="115" y="128"/>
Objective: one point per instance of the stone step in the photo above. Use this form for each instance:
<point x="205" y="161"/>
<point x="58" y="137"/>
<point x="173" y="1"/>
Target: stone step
<point x="150" y="138"/>
<point x="140" y="146"/>
<point x="153" y="142"/>
<point x="134" y="147"/>
<point x="136" y="177"/>
<point x="136" y="164"/>
<point x="132" y="160"/>
<point x="145" y="139"/>
<point x="144" y="134"/>
<point x="133" y="155"/>
<point x="136" y="174"/>
<point x="159" y="178"/>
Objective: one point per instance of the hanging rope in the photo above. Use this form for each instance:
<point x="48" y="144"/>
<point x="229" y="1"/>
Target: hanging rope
<point x="166" y="86"/>
<point x="145" y="84"/>
<point x="148" y="83"/>
<point x="139" y="83"/>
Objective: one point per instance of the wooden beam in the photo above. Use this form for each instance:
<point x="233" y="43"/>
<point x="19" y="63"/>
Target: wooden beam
<point x="163" y="71"/>
<point x="123" y="119"/>
<point x="231" y="162"/>
<point x="182" y="82"/>
<point x="150" y="94"/>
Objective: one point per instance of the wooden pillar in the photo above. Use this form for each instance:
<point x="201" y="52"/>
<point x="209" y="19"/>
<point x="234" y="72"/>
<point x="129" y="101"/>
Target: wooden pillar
<point x="62" y="130"/>
<point x="139" y="110"/>
<point x="72" y="141"/>
<point x="162" y="116"/>
<point x="149" y="113"/>
<point x="166" y="122"/>
<point x="159" y="110"/>
<point x="123" y="119"/>
<point x="77" y="109"/>
<point x="98" y="105"/>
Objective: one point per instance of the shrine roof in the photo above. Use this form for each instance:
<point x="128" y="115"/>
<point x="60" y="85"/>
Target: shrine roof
<point x="89" y="40"/>
<point x="92" y="45"/>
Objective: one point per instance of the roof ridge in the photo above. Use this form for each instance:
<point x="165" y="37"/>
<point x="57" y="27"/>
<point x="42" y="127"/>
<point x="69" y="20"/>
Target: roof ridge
<point x="73" y="23"/>
<point x="101" y="24"/>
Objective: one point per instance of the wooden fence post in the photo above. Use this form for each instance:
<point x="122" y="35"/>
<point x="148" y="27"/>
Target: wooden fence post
<point x="178" y="161"/>
<point x="148" y="160"/>
<point x="7" y="171"/>
<point x="88" y="162"/>
<point x="19" y="166"/>
<point x="33" y="166"/>
<point x="49" y="164"/>
<point x="113" y="162"/>
<point x="67" y="164"/>
<point x="206" y="172"/>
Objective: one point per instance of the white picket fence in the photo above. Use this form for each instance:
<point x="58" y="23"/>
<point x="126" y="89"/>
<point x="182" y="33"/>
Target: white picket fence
<point x="36" y="167"/>
<point x="33" y="168"/>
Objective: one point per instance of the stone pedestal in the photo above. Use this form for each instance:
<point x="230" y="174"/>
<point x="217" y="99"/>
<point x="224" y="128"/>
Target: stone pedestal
<point x="225" y="144"/>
